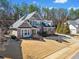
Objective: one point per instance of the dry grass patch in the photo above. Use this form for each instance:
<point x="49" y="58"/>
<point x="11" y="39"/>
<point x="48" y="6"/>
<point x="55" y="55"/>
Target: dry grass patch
<point x="76" y="37"/>
<point x="32" y="49"/>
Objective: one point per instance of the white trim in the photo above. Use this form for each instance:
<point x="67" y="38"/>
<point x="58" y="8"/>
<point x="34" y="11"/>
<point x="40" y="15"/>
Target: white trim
<point x="26" y="30"/>
<point x="21" y="20"/>
<point x="17" y="23"/>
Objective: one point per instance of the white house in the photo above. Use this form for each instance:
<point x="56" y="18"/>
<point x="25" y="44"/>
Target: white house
<point x="74" y="26"/>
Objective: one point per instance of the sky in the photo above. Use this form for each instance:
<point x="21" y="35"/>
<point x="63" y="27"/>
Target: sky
<point x="67" y="4"/>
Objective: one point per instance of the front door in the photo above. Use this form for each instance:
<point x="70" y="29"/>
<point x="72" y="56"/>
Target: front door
<point x="26" y="33"/>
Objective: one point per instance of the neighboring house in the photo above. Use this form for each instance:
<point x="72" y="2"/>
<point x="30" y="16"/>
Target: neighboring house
<point x="74" y="26"/>
<point x="30" y="25"/>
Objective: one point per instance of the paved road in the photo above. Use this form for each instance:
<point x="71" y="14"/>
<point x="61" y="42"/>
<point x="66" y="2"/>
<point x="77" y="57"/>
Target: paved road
<point x="13" y="50"/>
<point x="76" y="56"/>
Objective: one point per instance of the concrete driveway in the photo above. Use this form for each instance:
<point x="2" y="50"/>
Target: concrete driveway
<point x="60" y="37"/>
<point x="13" y="50"/>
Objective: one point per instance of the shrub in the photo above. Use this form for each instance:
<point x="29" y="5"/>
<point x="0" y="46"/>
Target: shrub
<point x="62" y="28"/>
<point x="43" y="33"/>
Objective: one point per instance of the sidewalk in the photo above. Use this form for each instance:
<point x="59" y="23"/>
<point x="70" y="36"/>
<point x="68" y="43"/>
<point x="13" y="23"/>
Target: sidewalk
<point x="64" y="53"/>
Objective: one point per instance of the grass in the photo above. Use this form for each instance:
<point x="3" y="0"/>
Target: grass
<point x="33" y="49"/>
<point x="76" y="37"/>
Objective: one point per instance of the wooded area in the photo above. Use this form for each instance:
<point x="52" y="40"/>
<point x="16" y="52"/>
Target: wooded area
<point x="10" y="13"/>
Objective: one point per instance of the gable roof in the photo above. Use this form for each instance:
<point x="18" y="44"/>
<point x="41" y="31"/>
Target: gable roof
<point x="16" y="24"/>
<point x="77" y="21"/>
<point x="74" y="22"/>
<point x="22" y="19"/>
<point x="25" y="24"/>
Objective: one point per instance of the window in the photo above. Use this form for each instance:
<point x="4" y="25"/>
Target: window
<point x="25" y="32"/>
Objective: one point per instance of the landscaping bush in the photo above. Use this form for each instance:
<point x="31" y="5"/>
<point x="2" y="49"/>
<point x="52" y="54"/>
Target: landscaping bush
<point x="62" y="28"/>
<point x="43" y="33"/>
<point x="66" y="29"/>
